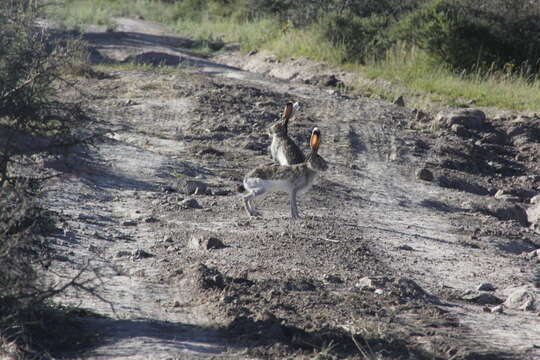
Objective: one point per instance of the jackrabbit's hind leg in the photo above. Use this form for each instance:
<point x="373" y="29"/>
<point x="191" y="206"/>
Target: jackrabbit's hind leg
<point x="248" y="202"/>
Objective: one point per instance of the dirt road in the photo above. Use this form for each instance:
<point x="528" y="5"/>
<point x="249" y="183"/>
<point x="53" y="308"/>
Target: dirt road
<point x="379" y="265"/>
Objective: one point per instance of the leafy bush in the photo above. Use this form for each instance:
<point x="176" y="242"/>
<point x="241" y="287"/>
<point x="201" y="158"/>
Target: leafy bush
<point x="32" y="119"/>
<point x="468" y="34"/>
<point x="361" y="38"/>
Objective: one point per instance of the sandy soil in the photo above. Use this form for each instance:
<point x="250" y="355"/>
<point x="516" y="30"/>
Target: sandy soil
<point x="377" y="266"/>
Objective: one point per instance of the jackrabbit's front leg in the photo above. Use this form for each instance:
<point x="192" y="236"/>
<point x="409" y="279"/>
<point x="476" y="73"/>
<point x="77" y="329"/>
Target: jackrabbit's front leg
<point x="294" y="208"/>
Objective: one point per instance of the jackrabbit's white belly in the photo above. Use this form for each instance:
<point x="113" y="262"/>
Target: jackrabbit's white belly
<point x="281" y="158"/>
<point x="256" y="185"/>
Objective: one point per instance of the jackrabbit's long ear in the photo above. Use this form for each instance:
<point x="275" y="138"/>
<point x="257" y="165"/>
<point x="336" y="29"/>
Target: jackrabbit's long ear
<point x="315" y="139"/>
<point x="287" y="112"/>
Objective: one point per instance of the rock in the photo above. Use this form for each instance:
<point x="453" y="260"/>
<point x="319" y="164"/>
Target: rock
<point x="168" y="189"/>
<point x="205" y="242"/>
<point x="324" y="80"/>
<point x="503" y="195"/>
<point x="469" y="118"/>
<point x="410" y="290"/>
<point x="190" y="204"/>
<point x="482" y="298"/>
<point x="535" y="199"/>
<point x="151" y="220"/>
<point x="405" y="247"/>
<point x="460" y="131"/>
<point x="424" y="174"/>
<point x="252" y="52"/>
<point x="300" y="285"/>
<point x="420" y="115"/>
<point x="129" y="223"/>
<point x="210" y="151"/>
<point x="379" y="291"/>
<point x="193" y="187"/>
<point x="499" y="309"/>
<point x="141" y="254"/>
<point x="221" y="192"/>
<point x="496" y="138"/>
<point x="486" y="287"/>
<point x="122" y="253"/>
<point x="201" y="277"/>
<point x="399" y="101"/>
<point x="521" y="298"/>
<point x="371" y="283"/>
<point x="334" y="279"/>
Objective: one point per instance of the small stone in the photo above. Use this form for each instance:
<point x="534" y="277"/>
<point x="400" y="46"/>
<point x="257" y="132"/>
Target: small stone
<point x="379" y="291"/>
<point x="193" y="187"/>
<point x="482" y="298"/>
<point x="176" y="304"/>
<point x="469" y="118"/>
<point x="129" y="223"/>
<point x="405" y="247"/>
<point x="533" y="254"/>
<point x="151" y="220"/>
<point x="371" y="283"/>
<point x="190" y="204"/>
<point x="205" y="242"/>
<point x="460" y="131"/>
<point x="168" y="189"/>
<point x="499" y="309"/>
<point x="141" y="254"/>
<point x="486" y="287"/>
<point x="168" y="239"/>
<point x="334" y="279"/>
<point x="122" y="253"/>
<point x="424" y="174"/>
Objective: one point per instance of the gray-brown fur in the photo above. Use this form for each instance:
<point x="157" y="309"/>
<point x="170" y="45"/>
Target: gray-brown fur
<point x="283" y="149"/>
<point x="292" y="179"/>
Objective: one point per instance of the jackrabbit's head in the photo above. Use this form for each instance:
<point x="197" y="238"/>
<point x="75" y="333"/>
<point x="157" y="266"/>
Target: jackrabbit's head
<point x="280" y="127"/>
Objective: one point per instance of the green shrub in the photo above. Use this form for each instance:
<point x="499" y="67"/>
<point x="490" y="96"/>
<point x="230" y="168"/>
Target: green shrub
<point x="468" y="35"/>
<point x="361" y="38"/>
<point x="32" y="119"/>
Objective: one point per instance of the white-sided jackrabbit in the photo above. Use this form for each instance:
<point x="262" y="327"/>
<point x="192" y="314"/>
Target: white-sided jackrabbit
<point x="293" y="179"/>
<point x="283" y="149"/>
